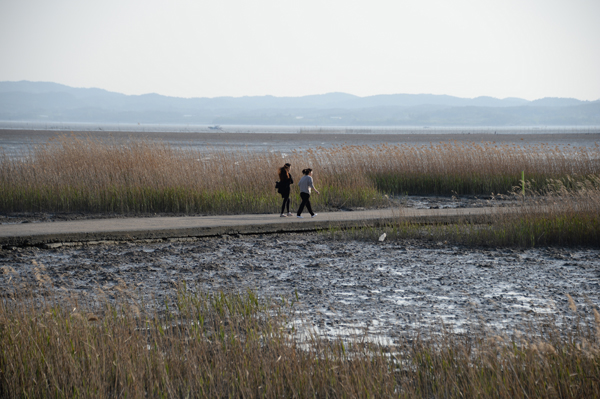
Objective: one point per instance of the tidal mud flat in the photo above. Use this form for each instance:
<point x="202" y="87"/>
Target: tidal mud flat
<point x="14" y="141"/>
<point x="344" y="287"/>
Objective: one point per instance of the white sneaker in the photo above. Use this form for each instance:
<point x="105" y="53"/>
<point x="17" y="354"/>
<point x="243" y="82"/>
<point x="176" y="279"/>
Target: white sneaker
<point x="290" y="214"/>
<point x="313" y="215"/>
<point x="282" y="216"/>
<point x="300" y="217"/>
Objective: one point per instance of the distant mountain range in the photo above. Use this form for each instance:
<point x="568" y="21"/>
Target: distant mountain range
<point x="44" y="101"/>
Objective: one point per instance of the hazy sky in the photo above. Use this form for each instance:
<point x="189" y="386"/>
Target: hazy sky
<point x="209" y="48"/>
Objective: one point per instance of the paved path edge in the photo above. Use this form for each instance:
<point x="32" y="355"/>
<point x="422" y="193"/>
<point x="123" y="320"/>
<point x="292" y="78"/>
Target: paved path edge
<point x="90" y="238"/>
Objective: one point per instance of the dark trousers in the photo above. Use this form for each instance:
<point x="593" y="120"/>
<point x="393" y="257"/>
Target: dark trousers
<point x="305" y="203"/>
<point x="286" y="202"/>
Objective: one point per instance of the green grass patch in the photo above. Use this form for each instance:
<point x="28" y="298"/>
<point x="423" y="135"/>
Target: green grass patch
<point x="571" y="229"/>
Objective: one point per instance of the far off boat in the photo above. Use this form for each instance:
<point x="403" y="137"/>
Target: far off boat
<point x="215" y="127"/>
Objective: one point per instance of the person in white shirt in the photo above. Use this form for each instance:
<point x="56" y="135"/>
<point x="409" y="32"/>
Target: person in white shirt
<point x="306" y="184"/>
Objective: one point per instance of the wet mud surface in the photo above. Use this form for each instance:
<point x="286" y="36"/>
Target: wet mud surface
<point x="441" y="202"/>
<point x="344" y="288"/>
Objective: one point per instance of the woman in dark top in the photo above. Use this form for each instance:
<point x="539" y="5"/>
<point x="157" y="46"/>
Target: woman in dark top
<point x="285" y="180"/>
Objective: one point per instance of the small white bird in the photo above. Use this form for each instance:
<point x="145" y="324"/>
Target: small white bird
<point x="382" y="237"/>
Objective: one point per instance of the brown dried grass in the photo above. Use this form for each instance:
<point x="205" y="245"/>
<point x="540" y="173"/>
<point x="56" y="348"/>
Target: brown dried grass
<point x="71" y="174"/>
<point x="200" y="345"/>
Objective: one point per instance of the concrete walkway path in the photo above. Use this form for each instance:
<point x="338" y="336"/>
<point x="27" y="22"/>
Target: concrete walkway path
<point x="153" y="228"/>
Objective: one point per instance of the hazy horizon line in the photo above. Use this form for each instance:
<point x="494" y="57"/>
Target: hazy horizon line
<point x="296" y="96"/>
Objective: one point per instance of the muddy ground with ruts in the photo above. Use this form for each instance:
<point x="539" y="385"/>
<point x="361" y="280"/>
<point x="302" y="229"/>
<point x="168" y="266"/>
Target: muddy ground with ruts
<point x="344" y="287"/>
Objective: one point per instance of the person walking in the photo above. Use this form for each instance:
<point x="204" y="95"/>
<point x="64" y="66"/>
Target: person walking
<point x="285" y="180"/>
<point x="306" y="184"/>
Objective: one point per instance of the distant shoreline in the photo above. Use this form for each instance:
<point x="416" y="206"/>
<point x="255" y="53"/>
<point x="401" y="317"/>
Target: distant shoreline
<point x="292" y="129"/>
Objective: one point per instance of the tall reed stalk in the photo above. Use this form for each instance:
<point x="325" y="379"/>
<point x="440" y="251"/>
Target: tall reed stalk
<point x="232" y="345"/>
<point x="71" y="174"/>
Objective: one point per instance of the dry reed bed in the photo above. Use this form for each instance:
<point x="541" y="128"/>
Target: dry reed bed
<point x="238" y="346"/>
<point x="565" y="213"/>
<point x="71" y="174"/>
<point x="475" y="168"/>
